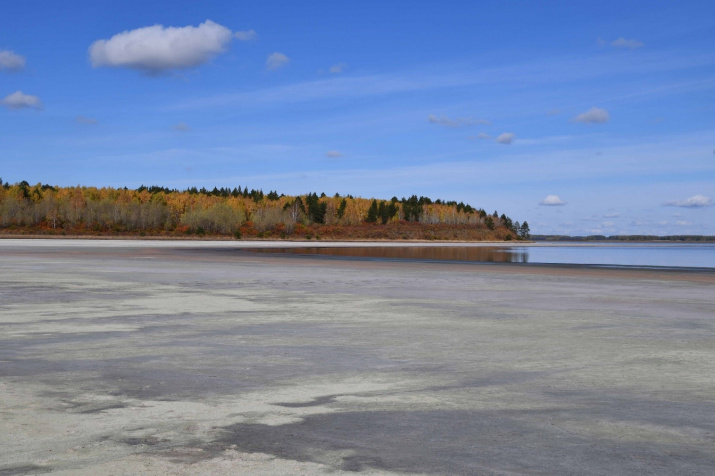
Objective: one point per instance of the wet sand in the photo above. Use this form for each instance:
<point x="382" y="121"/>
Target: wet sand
<point x="139" y="357"/>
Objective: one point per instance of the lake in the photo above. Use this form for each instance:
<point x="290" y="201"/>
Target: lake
<point x="680" y="255"/>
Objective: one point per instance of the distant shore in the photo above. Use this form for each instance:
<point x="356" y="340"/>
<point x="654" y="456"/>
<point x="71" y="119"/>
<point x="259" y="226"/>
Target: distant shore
<point x="238" y="241"/>
<point x="534" y="240"/>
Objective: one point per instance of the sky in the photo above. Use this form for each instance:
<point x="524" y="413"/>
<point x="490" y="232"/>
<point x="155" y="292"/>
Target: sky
<point x="580" y="117"/>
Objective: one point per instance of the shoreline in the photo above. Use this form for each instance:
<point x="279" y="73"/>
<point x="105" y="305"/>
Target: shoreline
<point x="288" y="242"/>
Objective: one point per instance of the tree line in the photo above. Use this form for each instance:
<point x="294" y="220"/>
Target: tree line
<point x="225" y="211"/>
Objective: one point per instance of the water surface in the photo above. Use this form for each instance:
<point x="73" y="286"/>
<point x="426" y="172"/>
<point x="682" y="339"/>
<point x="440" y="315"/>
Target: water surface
<point x="679" y="255"/>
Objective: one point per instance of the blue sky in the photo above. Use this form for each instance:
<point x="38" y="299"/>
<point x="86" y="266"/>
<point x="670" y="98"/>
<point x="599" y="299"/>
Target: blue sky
<point x="580" y="117"/>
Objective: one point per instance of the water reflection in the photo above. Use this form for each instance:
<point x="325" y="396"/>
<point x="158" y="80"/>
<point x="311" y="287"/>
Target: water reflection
<point x="433" y="253"/>
<point x="700" y="256"/>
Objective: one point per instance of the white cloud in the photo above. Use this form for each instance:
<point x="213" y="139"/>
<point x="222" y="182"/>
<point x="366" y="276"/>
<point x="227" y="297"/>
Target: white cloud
<point x="245" y="35"/>
<point x="276" y="61"/>
<point x="683" y="223"/>
<point x="19" y="100"/>
<point x="11" y="61"/>
<point x="181" y="126"/>
<point x="86" y="120"/>
<point x="456" y="122"/>
<point x="333" y="154"/>
<point x="629" y="44"/>
<point x="338" y="68"/>
<point x="552" y="201"/>
<point x="506" y="138"/>
<point x="155" y="49"/>
<point x="608" y="224"/>
<point x="595" y="115"/>
<point x="696" y="201"/>
<point x="612" y="215"/>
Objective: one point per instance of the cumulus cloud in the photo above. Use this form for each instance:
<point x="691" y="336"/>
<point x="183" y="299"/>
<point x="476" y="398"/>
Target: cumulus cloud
<point x="696" y="201"/>
<point x="11" y="61"/>
<point x="480" y="136"/>
<point x="19" y="100"/>
<point x="552" y="201"/>
<point x="245" y="35"/>
<point x="156" y="49"/>
<point x="456" y="122"/>
<point x="506" y="138"/>
<point x="86" y="120"/>
<point x="595" y="115"/>
<point x="338" y="68"/>
<point x="629" y="44"/>
<point x="333" y="154"/>
<point x="276" y="61"/>
<point x="181" y="126"/>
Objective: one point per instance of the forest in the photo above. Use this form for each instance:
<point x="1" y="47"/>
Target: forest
<point x="155" y="211"/>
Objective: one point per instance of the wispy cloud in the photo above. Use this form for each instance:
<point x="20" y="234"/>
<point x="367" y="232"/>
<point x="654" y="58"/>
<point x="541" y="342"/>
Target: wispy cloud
<point x="90" y="121"/>
<point x="181" y="126"/>
<point x="456" y="122"/>
<point x="156" y="49"/>
<point x="276" y="61"/>
<point x="696" y="201"/>
<point x="548" y="140"/>
<point x="448" y="75"/>
<point x="245" y="35"/>
<point x="595" y="115"/>
<point x="629" y="44"/>
<point x="338" y="68"/>
<point x="20" y="100"/>
<point x="11" y="61"/>
<point x="333" y="154"/>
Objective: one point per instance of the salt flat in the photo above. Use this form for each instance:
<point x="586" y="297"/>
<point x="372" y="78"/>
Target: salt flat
<point x="156" y="357"/>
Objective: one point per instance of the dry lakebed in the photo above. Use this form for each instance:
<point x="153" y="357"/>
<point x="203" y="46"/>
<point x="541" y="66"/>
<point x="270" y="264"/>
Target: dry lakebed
<point x="149" y="357"/>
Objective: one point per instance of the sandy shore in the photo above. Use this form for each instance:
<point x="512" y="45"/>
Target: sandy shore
<point x="169" y="357"/>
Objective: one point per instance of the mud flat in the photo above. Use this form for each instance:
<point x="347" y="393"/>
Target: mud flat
<point x="203" y="358"/>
